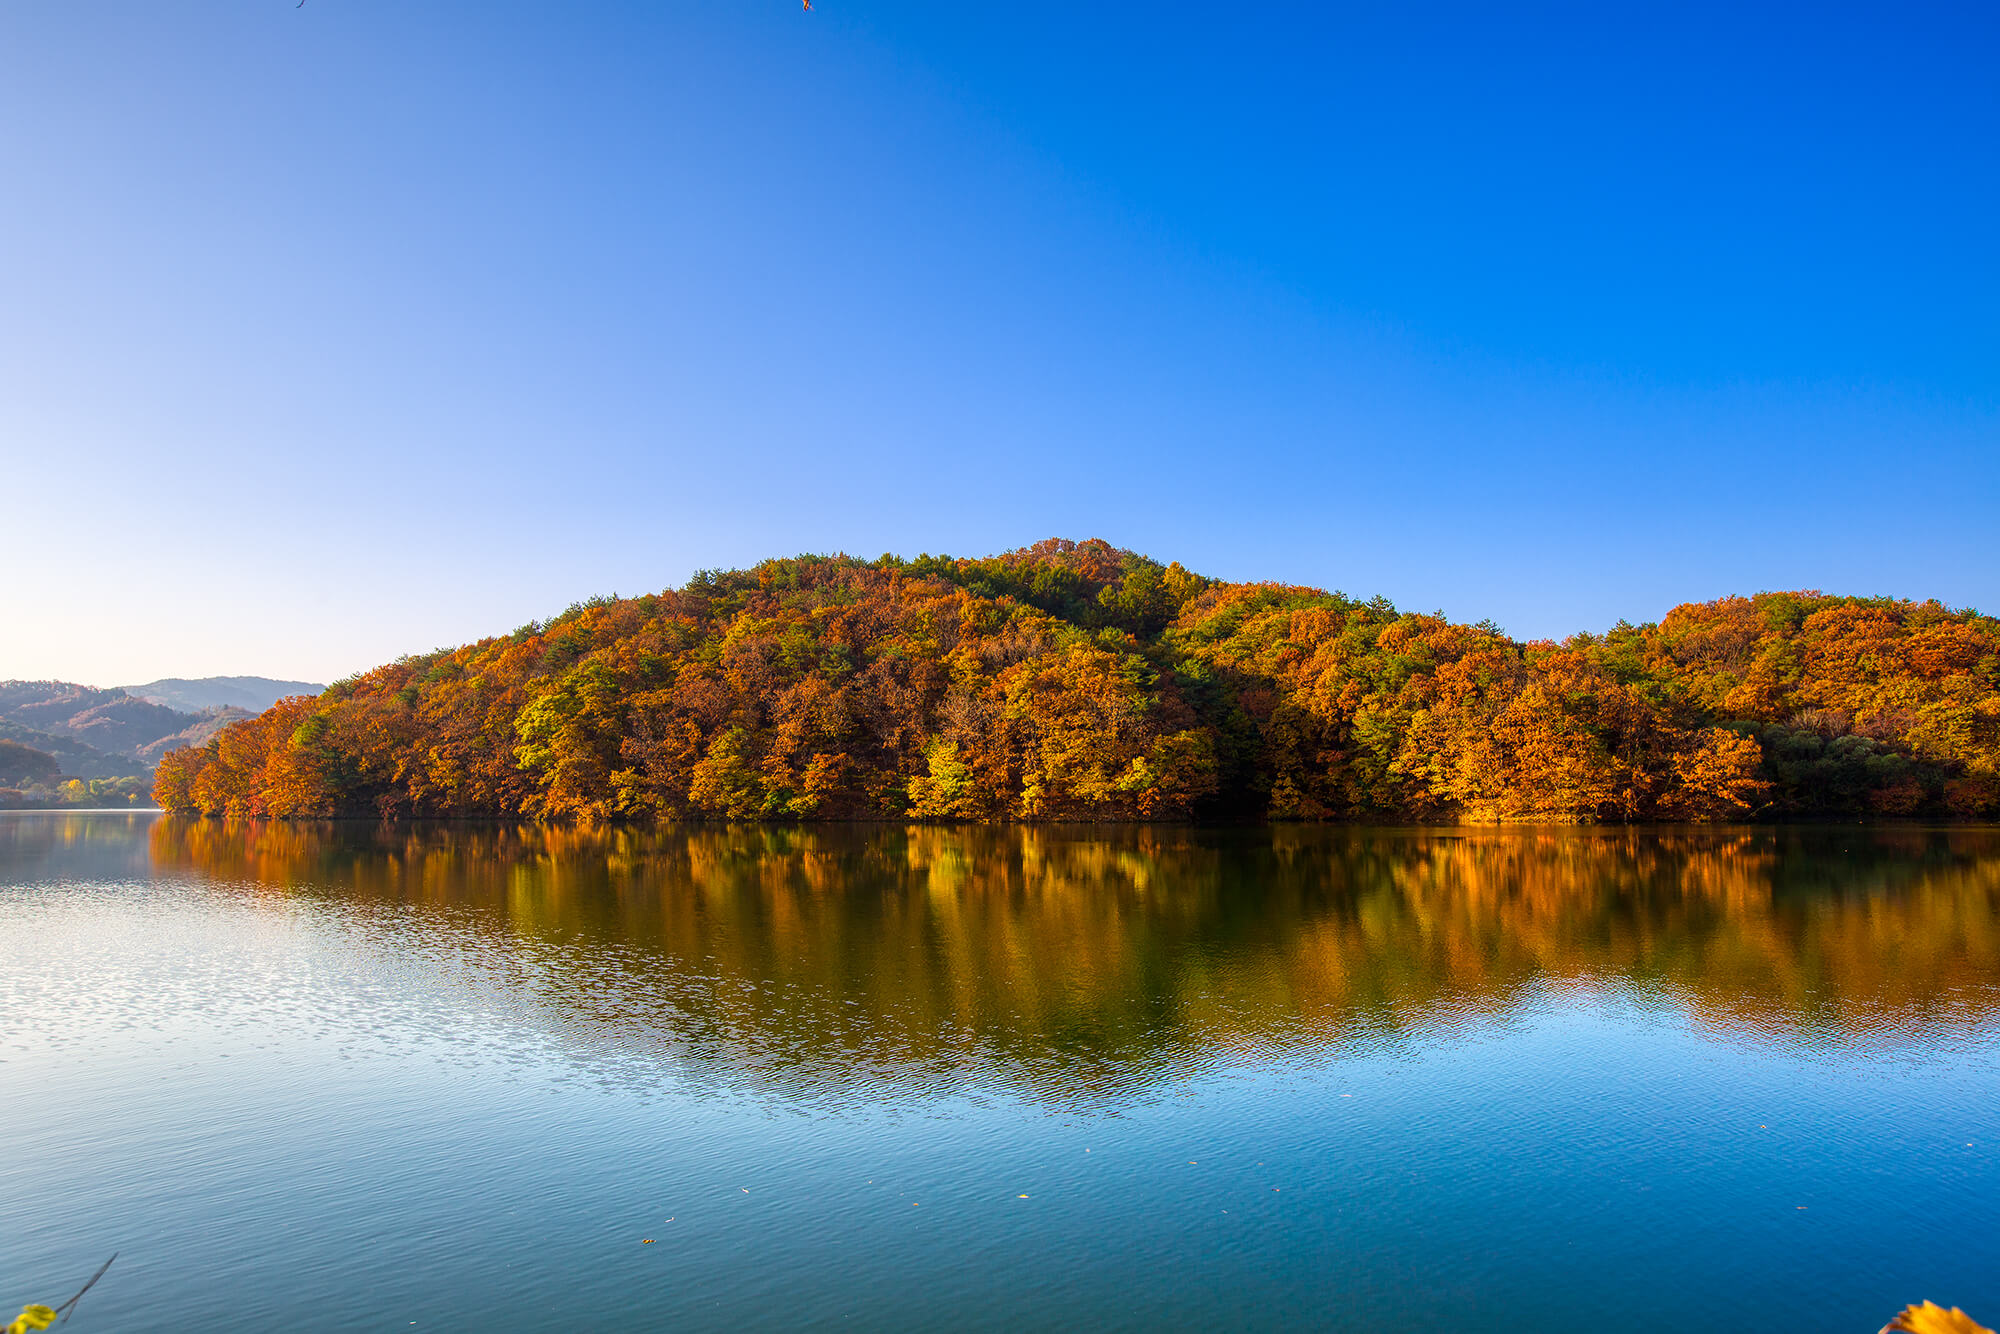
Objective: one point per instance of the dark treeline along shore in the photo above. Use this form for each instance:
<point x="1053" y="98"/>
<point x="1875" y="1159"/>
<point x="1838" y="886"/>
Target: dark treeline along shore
<point x="1076" y="681"/>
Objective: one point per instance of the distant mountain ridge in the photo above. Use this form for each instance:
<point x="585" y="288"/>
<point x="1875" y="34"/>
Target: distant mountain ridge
<point x="92" y="732"/>
<point x="253" y="694"/>
<point x="74" y="759"/>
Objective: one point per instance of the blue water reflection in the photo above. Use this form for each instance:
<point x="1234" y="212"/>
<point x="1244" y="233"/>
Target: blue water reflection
<point x="340" y="1076"/>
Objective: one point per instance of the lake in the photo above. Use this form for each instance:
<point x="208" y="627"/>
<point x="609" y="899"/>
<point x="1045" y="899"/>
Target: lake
<point x="529" y="1078"/>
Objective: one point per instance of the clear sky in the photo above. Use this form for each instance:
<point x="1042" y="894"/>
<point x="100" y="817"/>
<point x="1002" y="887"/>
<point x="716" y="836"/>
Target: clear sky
<point x="335" y="332"/>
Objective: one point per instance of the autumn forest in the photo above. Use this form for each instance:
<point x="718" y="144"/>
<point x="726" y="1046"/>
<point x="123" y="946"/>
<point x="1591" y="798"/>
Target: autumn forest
<point x="1077" y="681"/>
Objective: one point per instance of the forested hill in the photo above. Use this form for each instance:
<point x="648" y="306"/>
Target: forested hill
<point x="64" y="744"/>
<point x="100" y="733"/>
<point x="1077" y="681"/>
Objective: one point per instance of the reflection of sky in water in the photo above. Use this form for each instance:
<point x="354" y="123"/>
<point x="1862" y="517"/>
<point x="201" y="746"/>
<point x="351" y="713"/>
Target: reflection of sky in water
<point x="458" y="1072"/>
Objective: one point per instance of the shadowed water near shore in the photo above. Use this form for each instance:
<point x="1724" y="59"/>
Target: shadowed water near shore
<point x="1087" y="963"/>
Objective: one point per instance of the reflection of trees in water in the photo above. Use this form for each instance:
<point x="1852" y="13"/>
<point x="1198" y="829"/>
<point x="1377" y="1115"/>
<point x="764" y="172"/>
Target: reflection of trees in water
<point x="1079" y="959"/>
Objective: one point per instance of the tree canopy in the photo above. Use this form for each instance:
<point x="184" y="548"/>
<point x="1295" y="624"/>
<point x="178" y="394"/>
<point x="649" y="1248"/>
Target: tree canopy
<point x="1076" y="681"/>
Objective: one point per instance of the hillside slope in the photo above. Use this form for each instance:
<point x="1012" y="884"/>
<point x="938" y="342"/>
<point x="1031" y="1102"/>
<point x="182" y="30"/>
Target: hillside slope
<point x="101" y="733"/>
<point x="1076" y="681"/>
<point x="23" y="764"/>
<point x="76" y="758"/>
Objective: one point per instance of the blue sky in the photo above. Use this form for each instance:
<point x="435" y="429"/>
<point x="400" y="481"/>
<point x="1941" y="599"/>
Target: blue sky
<point x="337" y="332"/>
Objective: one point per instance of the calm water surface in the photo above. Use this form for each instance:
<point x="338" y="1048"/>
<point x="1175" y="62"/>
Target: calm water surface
<point x="452" y="1077"/>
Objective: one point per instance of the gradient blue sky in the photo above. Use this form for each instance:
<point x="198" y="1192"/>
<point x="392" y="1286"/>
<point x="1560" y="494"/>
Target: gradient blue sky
<point x="337" y="332"/>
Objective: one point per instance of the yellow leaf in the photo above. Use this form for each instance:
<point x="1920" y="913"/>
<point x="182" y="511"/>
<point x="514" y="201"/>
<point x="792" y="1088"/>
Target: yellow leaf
<point x="1930" y="1318"/>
